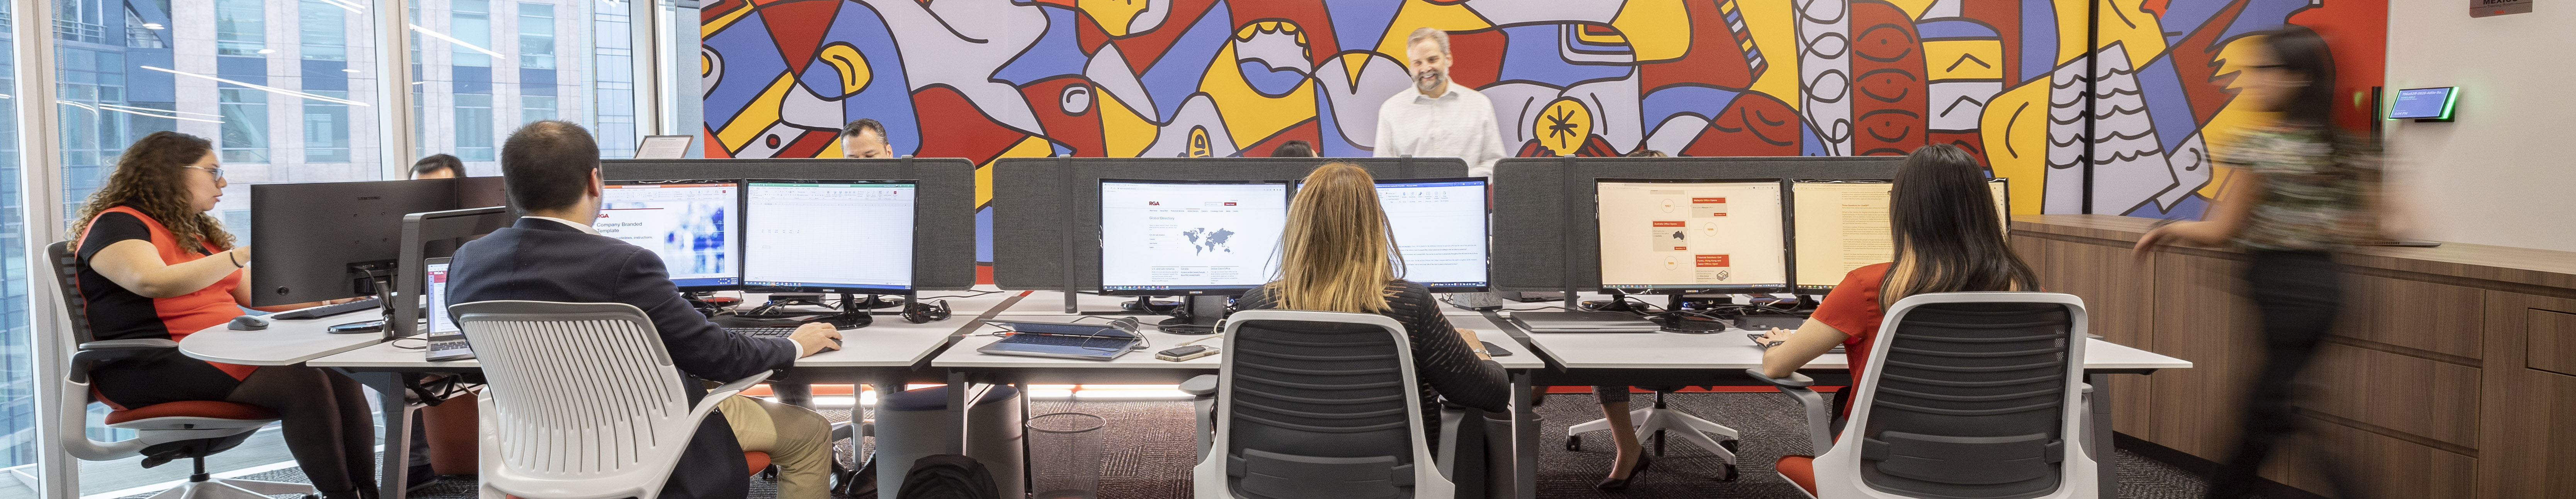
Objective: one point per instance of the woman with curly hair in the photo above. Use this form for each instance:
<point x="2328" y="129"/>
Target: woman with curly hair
<point x="153" y="265"/>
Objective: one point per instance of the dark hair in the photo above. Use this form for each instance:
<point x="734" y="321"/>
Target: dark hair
<point x="864" y="125"/>
<point x="547" y="164"/>
<point x="1948" y="236"/>
<point x="1293" y="149"/>
<point x="2300" y="50"/>
<point x="1647" y="153"/>
<point x="148" y="177"/>
<point x="436" y="162"/>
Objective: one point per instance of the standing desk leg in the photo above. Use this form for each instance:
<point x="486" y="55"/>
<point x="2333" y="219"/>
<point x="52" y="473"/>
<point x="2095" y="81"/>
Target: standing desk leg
<point x="1524" y="438"/>
<point x="396" y="458"/>
<point x="2106" y="460"/>
<point x="957" y="389"/>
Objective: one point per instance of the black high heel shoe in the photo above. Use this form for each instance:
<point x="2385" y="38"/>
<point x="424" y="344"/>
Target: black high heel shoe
<point x="1644" y="460"/>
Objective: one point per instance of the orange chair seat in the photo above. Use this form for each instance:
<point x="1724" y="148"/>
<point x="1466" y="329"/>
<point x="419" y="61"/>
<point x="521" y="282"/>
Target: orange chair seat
<point x="192" y="408"/>
<point x="1799" y="470"/>
<point x="756" y="460"/>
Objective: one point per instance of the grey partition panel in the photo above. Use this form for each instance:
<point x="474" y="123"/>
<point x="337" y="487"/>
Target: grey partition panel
<point x="943" y="216"/>
<point x="1544" y="238"/>
<point x="1046" y="211"/>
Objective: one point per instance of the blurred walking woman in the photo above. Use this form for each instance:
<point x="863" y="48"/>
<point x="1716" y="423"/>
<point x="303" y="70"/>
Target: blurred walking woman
<point x="153" y="265"/>
<point x="2301" y="191"/>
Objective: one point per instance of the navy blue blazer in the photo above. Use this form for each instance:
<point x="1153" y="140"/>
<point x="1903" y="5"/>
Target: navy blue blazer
<point x="543" y="260"/>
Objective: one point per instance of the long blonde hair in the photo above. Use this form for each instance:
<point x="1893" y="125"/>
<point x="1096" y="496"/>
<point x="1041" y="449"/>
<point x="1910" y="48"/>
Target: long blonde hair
<point x="1337" y="253"/>
<point x="149" y="178"/>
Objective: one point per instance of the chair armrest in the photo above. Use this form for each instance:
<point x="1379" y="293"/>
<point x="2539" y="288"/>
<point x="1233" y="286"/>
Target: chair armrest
<point x="124" y="345"/>
<point x="1820" y="419"/>
<point x="1452" y="418"/>
<point x="717" y="395"/>
<point x="1202" y="386"/>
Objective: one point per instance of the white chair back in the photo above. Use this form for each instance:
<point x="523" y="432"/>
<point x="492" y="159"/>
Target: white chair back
<point x="1968" y="395"/>
<point x="1306" y="403"/>
<point x="582" y="400"/>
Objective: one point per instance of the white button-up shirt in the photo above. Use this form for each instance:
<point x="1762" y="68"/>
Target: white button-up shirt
<point x="1458" y="124"/>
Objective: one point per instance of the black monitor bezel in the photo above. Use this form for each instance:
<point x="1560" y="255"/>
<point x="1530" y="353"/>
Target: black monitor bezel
<point x="735" y="233"/>
<point x="915" y="267"/>
<point x="1488" y="258"/>
<point x="1789" y="198"/>
<point x="1789" y="268"/>
<point x="1099" y="232"/>
<point x="326" y="232"/>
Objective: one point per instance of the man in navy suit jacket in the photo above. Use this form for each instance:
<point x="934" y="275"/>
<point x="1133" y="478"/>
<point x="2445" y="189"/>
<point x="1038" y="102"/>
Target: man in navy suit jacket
<point x="551" y="169"/>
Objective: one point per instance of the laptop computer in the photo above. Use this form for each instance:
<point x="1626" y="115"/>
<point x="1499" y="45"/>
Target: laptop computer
<point x="1064" y="340"/>
<point x="446" y="341"/>
<point x="1584" y="322"/>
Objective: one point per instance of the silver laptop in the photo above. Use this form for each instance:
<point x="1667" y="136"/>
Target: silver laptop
<point x="446" y="341"/>
<point x="1064" y="340"/>
<point x="1584" y="322"/>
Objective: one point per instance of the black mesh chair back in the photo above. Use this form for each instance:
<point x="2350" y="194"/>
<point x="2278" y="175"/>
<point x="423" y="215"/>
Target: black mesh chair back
<point x="1970" y="398"/>
<point x="1318" y="405"/>
<point x="66" y="265"/>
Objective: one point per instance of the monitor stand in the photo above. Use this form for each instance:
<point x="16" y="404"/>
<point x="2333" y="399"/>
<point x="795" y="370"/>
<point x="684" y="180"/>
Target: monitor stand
<point x="1198" y="316"/>
<point x="1676" y="320"/>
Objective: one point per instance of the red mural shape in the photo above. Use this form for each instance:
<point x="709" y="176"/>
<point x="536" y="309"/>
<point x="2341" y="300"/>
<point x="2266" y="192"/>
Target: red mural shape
<point x="955" y="129"/>
<point x="1889" y="82"/>
<point x="2005" y="17"/>
<point x="799" y="26"/>
<point x="2196" y="64"/>
<point x="1078" y="131"/>
<point x="1479" y="57"/>
<point x="1714" y="56"/>
<point x="1753" y="125"/>
<point x="1142" y="49"/>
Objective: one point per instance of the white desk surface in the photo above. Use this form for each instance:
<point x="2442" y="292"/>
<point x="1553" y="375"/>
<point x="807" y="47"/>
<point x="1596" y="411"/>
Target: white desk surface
<point x="1052" y="302"/>
<point x="963" y="355"/>
<point x="1731" y="350"/>
<point x="889" y="342"/>
<point x="284" y="343"/>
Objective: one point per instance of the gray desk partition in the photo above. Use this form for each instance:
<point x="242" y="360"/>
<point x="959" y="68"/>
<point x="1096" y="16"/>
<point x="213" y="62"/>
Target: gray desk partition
<point x="943" y="245"/>
<point x="1544" y="236"/>
<point x="1046" y="211"/>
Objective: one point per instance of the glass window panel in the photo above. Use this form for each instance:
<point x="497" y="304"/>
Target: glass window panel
<point x="560" y="59"/>
<point x="269" y="82"/>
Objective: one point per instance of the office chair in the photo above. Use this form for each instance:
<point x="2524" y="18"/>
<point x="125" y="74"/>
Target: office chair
<point x="1965" y="395"/>
<point x="1657" y="420"/>
<point x="189" y="430"/>
<point x="1318" y="405"/>
<point x="551" y="429"/>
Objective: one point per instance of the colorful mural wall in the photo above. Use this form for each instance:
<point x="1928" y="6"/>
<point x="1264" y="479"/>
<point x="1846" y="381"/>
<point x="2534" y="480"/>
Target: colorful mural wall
<point x="982" y="79"/>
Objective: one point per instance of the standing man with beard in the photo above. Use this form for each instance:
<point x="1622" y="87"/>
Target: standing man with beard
<point x="1437" y="119"/>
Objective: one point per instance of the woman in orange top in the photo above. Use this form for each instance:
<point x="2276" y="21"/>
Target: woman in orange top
<point x="153" y="265"/>
<point x="1948" y="239"/>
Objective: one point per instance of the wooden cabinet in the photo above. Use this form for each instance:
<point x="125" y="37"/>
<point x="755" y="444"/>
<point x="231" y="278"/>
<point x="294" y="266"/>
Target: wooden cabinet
<point x="2451" y="374"/>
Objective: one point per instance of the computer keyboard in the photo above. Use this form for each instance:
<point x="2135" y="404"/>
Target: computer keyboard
<point x="763" y="332"/>
<point x="326" y="310"/>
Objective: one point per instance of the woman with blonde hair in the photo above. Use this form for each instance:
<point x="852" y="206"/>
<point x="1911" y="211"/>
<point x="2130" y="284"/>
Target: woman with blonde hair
<point x="1337" y="255"/>
<point x="153" y="265"/>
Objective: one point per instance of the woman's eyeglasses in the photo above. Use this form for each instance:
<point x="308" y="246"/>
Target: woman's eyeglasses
<point x="217" y="172"/>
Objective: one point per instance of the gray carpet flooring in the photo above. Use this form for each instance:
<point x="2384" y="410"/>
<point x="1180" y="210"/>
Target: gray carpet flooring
<point x="1147" y="454"/>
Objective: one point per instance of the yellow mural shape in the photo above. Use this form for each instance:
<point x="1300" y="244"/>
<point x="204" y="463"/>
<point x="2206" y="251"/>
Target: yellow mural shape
<point x="1113" y="16"/>
<point x="1913" y="8"/>
<point x="2222" y="129"/>
<point x="1417" y="13"/>
<point x="1563" y="127"/>
<point x="852" y="65"/>
<point x="758" y="115"/>
<point x="1775" y="31"/>
<point x="1964" y="59"/>
<point x="2015" y="130"/>
<point x="1123" y="133"/>
<point x="1248" y="115"/>
<point x="2125" y="24"/>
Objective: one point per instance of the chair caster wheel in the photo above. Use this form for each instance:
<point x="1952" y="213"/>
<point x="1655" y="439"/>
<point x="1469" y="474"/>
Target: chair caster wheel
<point x="1726" y="473"/>
<point x="1574" y="443"/>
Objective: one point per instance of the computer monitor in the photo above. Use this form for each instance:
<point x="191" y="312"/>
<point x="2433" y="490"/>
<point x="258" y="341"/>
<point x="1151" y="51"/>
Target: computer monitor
<point x="433" y="278"/>
<point x="1169" y="237"/>
<point x="828" y="236"/>
<point x="694" y="225"/>
<point x="1692" y="236"/>
<point x="1440" y="227"/>
<point x="477" y="192"/>
<point x="1837" y="226"/>
<point x="326" y="241"/>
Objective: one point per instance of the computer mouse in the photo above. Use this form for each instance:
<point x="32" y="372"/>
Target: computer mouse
<point x="248" y="323"/>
